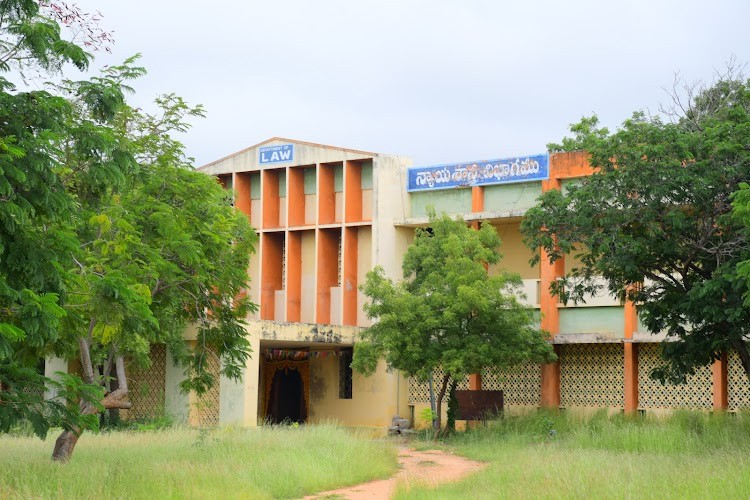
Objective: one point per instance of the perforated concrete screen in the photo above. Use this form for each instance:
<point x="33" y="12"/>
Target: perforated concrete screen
<point x="146" y="386"/>
<point x="696" y="393"/>
<point x="521" y="384"/>
<point x="419" y="392"/>
<point x="591" y="375"/>
<point x="206" y="407"/>
<point x="738" y="385"/>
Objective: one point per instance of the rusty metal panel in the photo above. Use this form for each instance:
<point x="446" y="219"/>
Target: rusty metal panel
<point x="479" y="405"/>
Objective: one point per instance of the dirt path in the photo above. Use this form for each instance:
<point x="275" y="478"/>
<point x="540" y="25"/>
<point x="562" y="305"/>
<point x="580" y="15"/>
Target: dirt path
<point x="425" y="467"/>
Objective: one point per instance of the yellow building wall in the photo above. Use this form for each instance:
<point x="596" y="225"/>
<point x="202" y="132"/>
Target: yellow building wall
<point x="516" y="255"/>
<point x="375" y="399"/>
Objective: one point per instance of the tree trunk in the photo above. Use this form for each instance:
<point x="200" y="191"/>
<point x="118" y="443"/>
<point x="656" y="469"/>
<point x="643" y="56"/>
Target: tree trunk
<point x="64" y="446"/>
<point x="439" y="404"/>
<point x="66" y="442"/>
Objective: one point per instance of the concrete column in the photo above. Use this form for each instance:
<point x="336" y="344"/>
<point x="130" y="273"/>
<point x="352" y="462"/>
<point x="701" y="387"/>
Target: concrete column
<point x="232" y="400"/>
<point x="475" y="382"/>
<point x="548" y="274"/>
<point x="51" y="367"/>
<point x="631" y="357"/>
<point x="176" y="402"/>
<point x="251" y="385"/>
<point x="477" y="205"/>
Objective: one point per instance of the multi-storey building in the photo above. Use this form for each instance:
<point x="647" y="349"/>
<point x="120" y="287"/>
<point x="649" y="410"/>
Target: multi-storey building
<point x="326" y="216"/>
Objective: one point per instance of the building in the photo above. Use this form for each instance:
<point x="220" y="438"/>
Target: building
<point x="327" y="215"/>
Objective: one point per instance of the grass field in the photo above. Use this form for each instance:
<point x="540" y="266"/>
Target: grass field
<point x="268" y="462"/>
<point x="690" y="455"/>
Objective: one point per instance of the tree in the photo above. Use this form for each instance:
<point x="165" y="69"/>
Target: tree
<point x="448" y="312"/>
<point x="654" y="221"/>
<point x="35" y="236"/>
<point x="166" y="251"/>
<point x="741" y="214"/>
<point x="109" y="241"/>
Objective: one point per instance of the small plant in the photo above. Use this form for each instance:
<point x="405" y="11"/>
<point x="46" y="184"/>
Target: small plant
<point x="427" y="416"/>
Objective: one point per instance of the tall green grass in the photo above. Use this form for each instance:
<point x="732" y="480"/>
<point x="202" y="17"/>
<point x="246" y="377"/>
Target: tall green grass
<point x="265" y="462"/>
<point x="549" y="455"/>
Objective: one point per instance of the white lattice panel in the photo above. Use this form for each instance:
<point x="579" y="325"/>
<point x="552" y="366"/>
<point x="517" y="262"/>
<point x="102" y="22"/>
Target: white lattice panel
<point x="207" y="405"/>
<point x="521" y="384"/>
<point x="146" y="387"/>
<point x="419" y="392"/>
<point x="592" y="375"/>
<point x="696" y="393"/>
<point x="738" y="386"/>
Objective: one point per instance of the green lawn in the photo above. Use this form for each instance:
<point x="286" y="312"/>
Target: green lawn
<point x="267" y="462"/>
<point x="690" y="455"/>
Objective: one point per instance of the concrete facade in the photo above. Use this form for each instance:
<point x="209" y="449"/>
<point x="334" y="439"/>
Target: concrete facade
<point x="325" y="216"/>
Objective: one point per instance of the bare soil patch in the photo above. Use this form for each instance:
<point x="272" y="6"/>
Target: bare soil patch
<point x="431" y="467"/>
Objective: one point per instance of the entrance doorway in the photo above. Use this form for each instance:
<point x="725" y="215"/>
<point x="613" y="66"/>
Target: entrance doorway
<point x="286" y="400"/>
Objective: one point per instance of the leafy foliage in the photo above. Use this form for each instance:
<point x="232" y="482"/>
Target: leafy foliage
<point x="448" y="312"/>
<point x="741" y="213"/>
<point x="109" y="240"/>
<point x="654" y="221"/>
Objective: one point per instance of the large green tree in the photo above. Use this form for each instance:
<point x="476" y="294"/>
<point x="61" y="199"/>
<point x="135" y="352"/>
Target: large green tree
<point x="741" y="213"/>
<point x="109" y="240"/>
<point x="448" y="312"/>
<point x="654" y="221"/>
<point x="36" y="238"/>
<point x="165" y="251"/>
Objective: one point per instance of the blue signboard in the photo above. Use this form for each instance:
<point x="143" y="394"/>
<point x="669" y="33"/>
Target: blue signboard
<point x="276" y="154"/>
<point x="479" y="173"/>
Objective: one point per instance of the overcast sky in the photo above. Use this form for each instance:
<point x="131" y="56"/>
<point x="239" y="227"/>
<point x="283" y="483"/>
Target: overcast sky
<point x="437" y="80"/>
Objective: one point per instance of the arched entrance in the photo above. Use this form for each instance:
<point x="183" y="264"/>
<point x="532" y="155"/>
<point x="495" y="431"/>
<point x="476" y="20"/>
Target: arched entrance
<point x="286" y="391"/>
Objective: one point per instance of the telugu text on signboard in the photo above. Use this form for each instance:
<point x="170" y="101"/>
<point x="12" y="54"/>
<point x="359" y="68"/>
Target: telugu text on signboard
<point x="479" y="173"/>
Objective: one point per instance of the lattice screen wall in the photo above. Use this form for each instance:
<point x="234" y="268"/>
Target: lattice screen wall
<point x="521" y="385"/>
<point x="592" y="375"/>
<point x="207" y="406"/>
<point x="696" y="393"/>
<point x="34" y="391"/>
<point x="419" y="392"/>
<point x="146" y="387"/>
<point x="738" y="386"/>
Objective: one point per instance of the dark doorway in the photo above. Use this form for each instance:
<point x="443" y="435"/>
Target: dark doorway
<point x="287" y="403"/>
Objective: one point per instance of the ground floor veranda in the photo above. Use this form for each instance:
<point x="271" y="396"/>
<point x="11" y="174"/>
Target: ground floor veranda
<point x="299" y="372"/>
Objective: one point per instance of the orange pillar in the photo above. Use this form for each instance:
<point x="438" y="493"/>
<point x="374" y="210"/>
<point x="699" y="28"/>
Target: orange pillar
<point x="270" y="190"/>
<point x="242" y="192"/>
<point x="352" y="192"/>
<point x="327" y="274"/>
<point x="475" y="382"/>
<point x="631" y="357"/>
<point x="548" y="273"/>
<point x="272" y="250"/>
<point x="477" y="205"/>
<point x="293" y="276"/>
<point x="721" y="393"/>
<point x="295" y="182"/>
<point x="326" y="195"/>
<point x="477" y="199"/>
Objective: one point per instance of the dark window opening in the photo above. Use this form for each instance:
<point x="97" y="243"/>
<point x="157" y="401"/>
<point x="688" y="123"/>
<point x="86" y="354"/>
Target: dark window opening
<point x="345" y="374"/>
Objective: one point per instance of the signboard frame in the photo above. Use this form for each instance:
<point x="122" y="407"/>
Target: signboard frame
<point x="278" y="153"/>
<point x="478" y="173"/>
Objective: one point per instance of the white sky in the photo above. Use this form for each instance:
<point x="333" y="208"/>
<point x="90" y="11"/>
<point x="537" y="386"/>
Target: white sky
<point x="436" y="80"/>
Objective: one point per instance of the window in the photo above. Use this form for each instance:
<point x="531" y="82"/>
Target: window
<point x="345" y="373"/>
